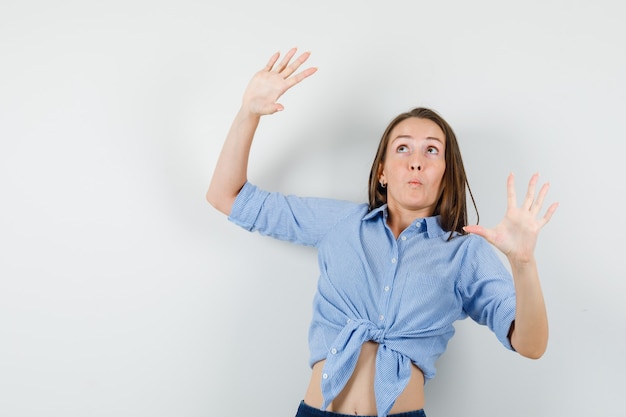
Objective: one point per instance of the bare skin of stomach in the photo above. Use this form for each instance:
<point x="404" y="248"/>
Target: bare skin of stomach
<point x="357" y="397"/>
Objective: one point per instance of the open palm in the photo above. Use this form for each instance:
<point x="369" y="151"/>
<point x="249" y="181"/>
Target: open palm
<point x="268" y="84"/>
<point x="516" y="235"/>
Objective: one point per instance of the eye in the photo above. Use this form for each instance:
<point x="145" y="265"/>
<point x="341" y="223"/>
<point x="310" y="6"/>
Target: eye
<point x="402" y="149"/>
<point x="432" y="150"/>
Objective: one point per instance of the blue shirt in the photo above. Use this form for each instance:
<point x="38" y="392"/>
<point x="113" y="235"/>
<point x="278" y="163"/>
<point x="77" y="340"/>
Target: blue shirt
<point x="405" y="293"/>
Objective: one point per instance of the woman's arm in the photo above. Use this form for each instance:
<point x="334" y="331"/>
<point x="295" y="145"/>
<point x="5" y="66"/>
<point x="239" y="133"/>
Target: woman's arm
<point x="267" y="85"/>
<point x="516" y="236"/>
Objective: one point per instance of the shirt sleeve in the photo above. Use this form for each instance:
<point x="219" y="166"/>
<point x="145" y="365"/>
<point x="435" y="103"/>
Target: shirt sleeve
<point x="487" y="289"/>
<point x="302" y="220"/>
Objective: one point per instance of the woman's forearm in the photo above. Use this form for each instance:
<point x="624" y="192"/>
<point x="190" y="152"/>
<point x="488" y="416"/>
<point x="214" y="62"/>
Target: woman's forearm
<point x="231" y="170"/>
<point x="260" y="98"/>
<point x="529" y="336"/>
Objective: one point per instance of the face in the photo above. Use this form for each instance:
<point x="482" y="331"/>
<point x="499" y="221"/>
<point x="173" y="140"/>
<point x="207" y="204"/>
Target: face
<point x="414" y="166"/>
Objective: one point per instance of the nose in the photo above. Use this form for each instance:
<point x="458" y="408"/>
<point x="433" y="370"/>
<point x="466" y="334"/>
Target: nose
<point x="415" y="162"/>
<point x="415" y="166"/>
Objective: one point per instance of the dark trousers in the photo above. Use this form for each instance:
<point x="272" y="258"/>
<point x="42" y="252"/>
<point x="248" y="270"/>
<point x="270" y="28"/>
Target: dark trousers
<point x="308" y="411"/>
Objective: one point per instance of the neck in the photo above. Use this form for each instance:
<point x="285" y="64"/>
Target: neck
<point x="398" y="220"/>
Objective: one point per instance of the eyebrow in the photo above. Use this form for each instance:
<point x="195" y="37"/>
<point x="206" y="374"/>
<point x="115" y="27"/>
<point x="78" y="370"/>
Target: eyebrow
<point x="411" y="137"/>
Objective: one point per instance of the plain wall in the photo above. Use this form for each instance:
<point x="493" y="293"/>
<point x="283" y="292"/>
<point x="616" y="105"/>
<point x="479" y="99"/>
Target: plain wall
<point x="123" y="293"/>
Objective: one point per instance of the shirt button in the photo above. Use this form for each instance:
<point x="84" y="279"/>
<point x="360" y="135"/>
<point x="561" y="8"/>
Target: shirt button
<point x="403" y="238"/>
<point x="348" y="321"/>
<point x="382" y="317"/>
<point x="393" y="260"/>
<point x="325" y="376"/>
<point x="387" y="288"/>
<point x="333" y="351"/>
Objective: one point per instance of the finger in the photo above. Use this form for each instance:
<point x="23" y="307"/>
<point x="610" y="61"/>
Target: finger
<point x="550" y="212"/>
<point x="285" y="61"/>
<point x="510" y="191"/>
<point x="272" y="61"/>
<point x="530" y="193"/>
<point x="480" y="231"/>
<point x="301" y="76"/>
<point x="272" y="108"/>
<point x="290" y="69"/>
<point x="538" y="203"/>
<point x="473" y="228"/>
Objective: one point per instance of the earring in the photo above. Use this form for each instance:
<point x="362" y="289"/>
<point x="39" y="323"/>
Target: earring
<point x="383" y="184"/>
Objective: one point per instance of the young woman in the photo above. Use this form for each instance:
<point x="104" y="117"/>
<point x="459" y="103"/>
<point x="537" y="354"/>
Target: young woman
<point x="397" y="272"/>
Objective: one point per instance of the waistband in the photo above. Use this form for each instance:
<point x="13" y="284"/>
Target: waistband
<point x="305" y="410"/>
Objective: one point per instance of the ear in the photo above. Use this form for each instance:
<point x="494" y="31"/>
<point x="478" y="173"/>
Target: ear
<point x="381" y="173"/>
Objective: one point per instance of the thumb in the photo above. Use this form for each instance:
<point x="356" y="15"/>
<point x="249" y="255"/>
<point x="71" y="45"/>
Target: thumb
<point x="273" y="108"/>
<point x="477" y="230"/>
<point x="488" y="234"/>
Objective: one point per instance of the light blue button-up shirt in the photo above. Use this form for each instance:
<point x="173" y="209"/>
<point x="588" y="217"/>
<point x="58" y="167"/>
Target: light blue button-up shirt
<point x="405" y="293"/>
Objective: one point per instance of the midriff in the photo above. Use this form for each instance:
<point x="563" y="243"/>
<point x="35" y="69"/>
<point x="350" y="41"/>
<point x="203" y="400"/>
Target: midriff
<point x="357" y="397"/>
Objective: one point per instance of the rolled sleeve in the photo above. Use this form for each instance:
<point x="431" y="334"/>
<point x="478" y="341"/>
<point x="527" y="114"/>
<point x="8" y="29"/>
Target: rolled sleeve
<point x="301" y="220"/>
<point x="247" y="206"/>
<point x="488" y="290"/>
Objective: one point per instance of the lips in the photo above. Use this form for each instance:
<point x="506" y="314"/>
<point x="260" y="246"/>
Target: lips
<point x="415" y="182"/>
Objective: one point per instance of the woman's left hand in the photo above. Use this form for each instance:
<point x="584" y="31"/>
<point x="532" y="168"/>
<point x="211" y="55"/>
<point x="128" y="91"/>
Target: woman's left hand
<point x="516" y="235"/>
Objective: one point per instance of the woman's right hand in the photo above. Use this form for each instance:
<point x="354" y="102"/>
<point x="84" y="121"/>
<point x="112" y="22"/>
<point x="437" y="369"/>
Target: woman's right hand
<point x="267" y="85"/>
<point x="260" y="98"/>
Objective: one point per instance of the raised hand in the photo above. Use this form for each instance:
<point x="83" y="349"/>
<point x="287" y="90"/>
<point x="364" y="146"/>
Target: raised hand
<point x="267" y="85"/>
<point x="516" y="235"/>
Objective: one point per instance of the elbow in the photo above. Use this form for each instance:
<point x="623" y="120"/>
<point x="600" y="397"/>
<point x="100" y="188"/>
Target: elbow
<point x="219" y="201"/>
<point x="531" y="342"/>
<point x="533" y="353"/>
<point x="533" y="350"/>
<point x="211" y="198"/>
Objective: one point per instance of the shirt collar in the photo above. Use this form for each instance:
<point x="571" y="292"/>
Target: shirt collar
<point x="373" y="213"/>
<point x="431" y="224"/>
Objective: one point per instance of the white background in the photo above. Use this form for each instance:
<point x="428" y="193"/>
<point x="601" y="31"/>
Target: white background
<point x="123" y="293"/>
